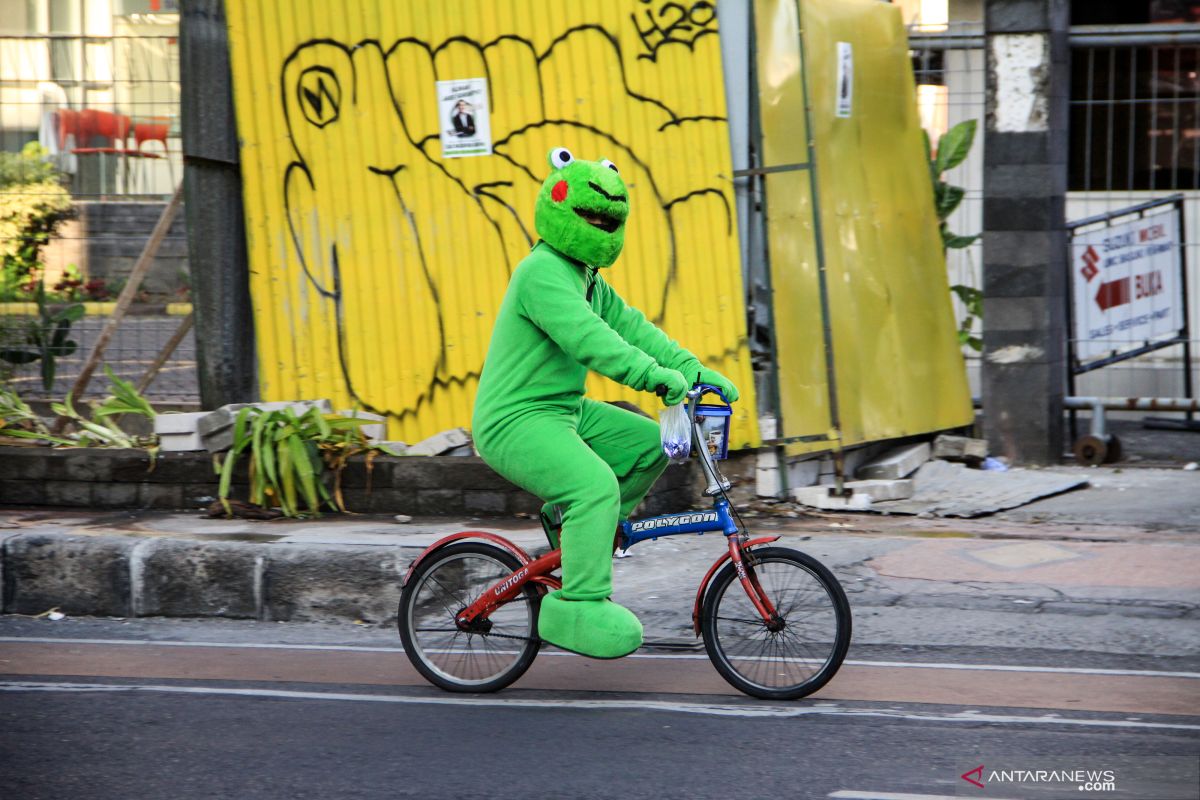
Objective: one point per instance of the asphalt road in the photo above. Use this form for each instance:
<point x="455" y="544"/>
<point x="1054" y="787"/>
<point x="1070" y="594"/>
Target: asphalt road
<point x="182" y="710"/>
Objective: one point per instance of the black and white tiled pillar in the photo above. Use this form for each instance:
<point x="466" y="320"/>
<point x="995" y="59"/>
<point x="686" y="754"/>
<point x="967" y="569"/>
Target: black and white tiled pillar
<point x="1024" y="239"/>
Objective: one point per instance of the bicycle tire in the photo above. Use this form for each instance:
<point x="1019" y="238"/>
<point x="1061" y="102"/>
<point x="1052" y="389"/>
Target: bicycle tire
<point x="786" y="664"/>
<point x="450" y="579"/>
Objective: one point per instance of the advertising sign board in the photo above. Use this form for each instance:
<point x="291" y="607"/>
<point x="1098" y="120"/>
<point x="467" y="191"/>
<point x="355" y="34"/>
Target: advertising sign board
<point x="1127" y="284"/>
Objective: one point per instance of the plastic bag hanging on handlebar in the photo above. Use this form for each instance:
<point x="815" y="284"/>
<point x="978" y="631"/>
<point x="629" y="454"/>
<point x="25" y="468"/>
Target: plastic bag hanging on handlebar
<point x="675" y="431"/>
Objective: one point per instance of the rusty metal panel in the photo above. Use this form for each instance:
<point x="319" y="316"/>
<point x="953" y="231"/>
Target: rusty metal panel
<point x="378" y="265"/>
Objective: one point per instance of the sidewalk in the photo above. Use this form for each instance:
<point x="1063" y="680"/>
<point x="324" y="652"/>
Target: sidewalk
<point x="1103" y="569"/>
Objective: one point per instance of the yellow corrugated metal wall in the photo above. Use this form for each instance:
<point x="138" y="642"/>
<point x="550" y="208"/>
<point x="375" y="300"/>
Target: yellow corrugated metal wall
<point x="897" y="363"/>
<point x="377" y="266"/>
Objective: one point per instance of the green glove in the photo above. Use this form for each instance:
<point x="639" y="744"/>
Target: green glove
<point x="677" y="385"/>
<point x="714" y="378"/>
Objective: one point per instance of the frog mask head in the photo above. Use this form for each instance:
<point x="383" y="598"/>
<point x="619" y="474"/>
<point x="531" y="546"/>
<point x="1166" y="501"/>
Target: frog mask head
<point x="581" y="209"/>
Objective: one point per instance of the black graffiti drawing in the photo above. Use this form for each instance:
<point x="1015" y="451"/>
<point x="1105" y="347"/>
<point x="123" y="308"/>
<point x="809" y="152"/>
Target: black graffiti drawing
<point x="325" y="87"/>
<point x="673" y="23"/>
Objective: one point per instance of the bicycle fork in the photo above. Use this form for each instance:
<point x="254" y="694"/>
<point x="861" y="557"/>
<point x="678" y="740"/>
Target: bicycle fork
<point x="749" y="580"/>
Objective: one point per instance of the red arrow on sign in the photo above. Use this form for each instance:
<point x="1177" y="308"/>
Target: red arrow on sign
<point x="1113" y="294"/>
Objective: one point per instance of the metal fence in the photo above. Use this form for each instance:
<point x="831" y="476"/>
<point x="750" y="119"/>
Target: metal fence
<point x="89" y="137"/>
<point x="1134" y="137"/>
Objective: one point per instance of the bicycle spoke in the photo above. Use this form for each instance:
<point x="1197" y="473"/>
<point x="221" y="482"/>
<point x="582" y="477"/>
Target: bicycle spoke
<point x="494" y="646"/>
<point x="789" y="657"/>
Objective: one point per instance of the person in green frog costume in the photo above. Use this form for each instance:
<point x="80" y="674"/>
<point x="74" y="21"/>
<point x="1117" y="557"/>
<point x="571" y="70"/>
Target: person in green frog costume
<point x="592" y="460"/>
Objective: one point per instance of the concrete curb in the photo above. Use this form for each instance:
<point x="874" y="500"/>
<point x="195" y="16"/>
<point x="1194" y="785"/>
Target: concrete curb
<point x="130" y="576"/>
<point x="138" y="576"/>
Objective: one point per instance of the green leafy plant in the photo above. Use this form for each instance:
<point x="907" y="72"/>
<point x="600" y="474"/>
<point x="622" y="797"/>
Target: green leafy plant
<point x="18" y="421"/>
<point x="953" y="147"/>
<point x="46" y="337"/>
<point x="102" y="429"/>
<point x="293" y="458"/>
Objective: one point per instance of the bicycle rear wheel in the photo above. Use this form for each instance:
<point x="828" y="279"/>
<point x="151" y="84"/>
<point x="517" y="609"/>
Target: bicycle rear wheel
<point x="493" y="652"/>
<point x="803" y="648"/>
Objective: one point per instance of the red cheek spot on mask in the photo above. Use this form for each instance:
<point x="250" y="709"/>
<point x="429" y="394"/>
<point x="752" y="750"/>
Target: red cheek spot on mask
<point x="559" y="192"/>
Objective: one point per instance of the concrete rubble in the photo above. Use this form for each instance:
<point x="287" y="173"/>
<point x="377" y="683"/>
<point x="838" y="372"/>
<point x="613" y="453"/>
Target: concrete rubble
<point x="898" y="463"/>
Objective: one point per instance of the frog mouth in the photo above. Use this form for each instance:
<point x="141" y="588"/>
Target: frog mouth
<point x="600" y="219"/>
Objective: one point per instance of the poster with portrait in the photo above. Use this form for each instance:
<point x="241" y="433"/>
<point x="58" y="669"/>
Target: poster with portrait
<point x="463" y="117"/>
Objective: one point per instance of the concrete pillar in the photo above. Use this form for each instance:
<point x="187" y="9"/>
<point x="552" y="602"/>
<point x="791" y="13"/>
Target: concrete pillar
<point x="1024" y="239"/>
<point x="225" y="350"/>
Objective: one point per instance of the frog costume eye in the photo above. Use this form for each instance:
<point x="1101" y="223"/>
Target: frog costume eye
<point x="560" y="157"/>
<point x="604" y="162"/>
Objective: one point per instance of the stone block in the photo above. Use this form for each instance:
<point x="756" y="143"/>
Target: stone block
<point x="23" y="493"/>
<point x="959" y="448"/>
<point x="1009" y="249"/>
<point x="86" y="465"/>
<point x="136" y="466"/>
<point x="69" y="494"/>
<point x="1022" y="213"/>
<point x="23" y="463"/>
<point x="485" y="502"/>
<point x="440" y="443"/>
<point x="180" y="442"/>
<point x="881" y="490"/>
<point x="1015" y="148"/>
<point x="819" y="497"/>
<point x="78" y="574"/>
<point x="1016" y="313"/>
<point x="373" y="432"/>
<point x="160" y="495"/>
<point x="333" y="584"/>
<point x="179" y="578"/>
<point x="178" y="423"/>
<point x="437" y="502"/>
<point x="115" y="495"/>
<point x="896" y="463"/>
<point x="1017" y="16"/>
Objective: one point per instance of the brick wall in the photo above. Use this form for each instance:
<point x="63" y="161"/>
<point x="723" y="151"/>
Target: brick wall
<point x="426" y="486"/>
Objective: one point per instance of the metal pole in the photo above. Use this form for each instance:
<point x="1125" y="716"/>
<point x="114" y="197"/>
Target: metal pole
<point x="835" y="421"/>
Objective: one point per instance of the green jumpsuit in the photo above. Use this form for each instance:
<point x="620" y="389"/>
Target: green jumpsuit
<point x="532" y="424"/>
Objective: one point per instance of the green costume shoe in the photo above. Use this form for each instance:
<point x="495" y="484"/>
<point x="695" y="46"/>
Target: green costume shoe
<point x="595" y="628"/>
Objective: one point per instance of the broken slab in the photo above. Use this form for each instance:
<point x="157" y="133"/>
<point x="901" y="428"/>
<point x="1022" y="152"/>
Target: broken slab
<point x="946" y="489"/>
<point x="898" y="463"/>
<point x="442" y="443"/>
<point x="873" y="490"/>
<point x="960" y="448"/>
<point x="177" y="431"/>
<point x="822" y="497"/>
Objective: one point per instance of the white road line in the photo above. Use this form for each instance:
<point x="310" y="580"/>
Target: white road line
<point x="1143" y="673"/>
<point x="854" y="794"/>
<point x="709" y="709"/>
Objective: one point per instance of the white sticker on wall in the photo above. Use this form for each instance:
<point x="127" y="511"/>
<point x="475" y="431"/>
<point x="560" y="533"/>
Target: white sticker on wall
<point x="845" y="79"/>
<point x="465" y="123"/>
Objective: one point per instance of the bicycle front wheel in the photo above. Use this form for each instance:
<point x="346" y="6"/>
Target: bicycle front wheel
<point x="801" y="649"/>
<point x="491" y="653"/>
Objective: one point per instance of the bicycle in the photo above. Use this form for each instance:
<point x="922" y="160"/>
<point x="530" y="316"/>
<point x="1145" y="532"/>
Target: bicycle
<point x="468" y="608"/>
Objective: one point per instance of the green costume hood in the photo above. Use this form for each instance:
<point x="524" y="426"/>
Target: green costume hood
<point x="581" y="209"/>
